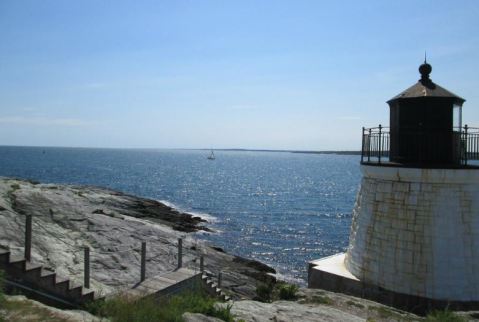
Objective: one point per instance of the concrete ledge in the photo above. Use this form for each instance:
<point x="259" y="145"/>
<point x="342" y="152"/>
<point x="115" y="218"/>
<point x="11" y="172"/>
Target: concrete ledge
<point x="330" y="274"/>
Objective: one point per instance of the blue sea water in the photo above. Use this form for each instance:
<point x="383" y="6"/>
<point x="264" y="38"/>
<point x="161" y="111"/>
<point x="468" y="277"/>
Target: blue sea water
<point x="283" y="209"/>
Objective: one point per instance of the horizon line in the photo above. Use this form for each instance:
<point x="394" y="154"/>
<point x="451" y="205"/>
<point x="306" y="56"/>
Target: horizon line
<point x="194" y="149"/>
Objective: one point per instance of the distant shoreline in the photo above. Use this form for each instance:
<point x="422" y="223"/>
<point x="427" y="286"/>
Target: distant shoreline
<point x="287" y="151"/>
<point x="339" y="152"/>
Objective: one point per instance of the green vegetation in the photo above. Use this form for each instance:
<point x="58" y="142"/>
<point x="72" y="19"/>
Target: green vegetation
<point x="352" y="303"/>
<point x="272" y="291"/>
<point x="383" y="312"/>
<point x="390" y="314"/>
<point x="125" y="309"/>
<point x="288" y="291"/>
<point x="320" y="299"/>
<point x="264" y="292"/>
<point x="444" y="316"/>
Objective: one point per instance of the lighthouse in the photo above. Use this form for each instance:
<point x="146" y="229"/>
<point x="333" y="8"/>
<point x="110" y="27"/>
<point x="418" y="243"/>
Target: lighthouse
<point x="414" y="239"/>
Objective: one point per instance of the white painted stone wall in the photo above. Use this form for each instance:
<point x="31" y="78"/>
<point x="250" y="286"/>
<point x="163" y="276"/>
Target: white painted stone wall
<point x="416" y="231"/>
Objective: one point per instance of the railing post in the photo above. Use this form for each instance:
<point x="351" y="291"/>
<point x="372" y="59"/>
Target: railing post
<point x="220" y="277"/>
<point x="86" y="267"/>
<point x="380" y="144"/>
<point x="465" y="144"/>
<point x="28" y="237"/>
<point x="369" y="145"/>
<point x="143" y="261"/>
<point x="202" y="264"/>
<point x="362" y="145"/>
<point x="180" y="252"/>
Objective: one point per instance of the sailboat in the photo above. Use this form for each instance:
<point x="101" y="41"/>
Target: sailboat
<point x="211" y="156"/>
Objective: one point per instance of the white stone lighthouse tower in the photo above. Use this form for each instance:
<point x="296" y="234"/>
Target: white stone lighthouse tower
<point x="415" y="231"/>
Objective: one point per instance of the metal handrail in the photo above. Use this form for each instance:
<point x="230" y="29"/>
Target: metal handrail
<point x="376" y="142"/>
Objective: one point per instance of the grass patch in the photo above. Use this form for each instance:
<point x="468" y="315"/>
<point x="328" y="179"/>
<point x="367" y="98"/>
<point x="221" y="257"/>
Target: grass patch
<point x="264" y="292"/>
<point x="125" y="309"/>
<point x="352" y="303"/>
<point x="389" y="313"/>
<point x="382" y="311"/>
<point x="288" y="292"/>
<point x="444" y="316"/>
<point x="321" y="299"/>
<point x="268" y="292"/>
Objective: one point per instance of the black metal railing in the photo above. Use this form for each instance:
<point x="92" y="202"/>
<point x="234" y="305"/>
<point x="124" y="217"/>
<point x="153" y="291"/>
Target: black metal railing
<point x="470" y="144"/>
<point x="375" y="145"/>
<point x="455" y="147"/>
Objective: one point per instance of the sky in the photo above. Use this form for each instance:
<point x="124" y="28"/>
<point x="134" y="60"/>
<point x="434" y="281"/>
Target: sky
<point x="299" y="75"/>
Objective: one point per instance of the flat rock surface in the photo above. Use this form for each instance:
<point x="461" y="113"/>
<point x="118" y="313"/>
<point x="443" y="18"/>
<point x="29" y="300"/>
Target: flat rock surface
<point x="285" y="311"/>
<point x="66" y="218"/>
<point x="19" y="308"/>
<point x="319" y="305"/>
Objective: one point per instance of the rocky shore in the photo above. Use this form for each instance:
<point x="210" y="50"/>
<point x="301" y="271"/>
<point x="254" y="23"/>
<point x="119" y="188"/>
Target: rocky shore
<point x="113" y="224"/>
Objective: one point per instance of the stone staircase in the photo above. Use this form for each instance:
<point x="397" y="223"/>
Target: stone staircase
<point x="172" y="283"/>
<point x="212" y="288"/>
<point x="44" y="284"/>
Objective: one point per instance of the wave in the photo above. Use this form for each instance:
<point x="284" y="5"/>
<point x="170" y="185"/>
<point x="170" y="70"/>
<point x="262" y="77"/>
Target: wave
<point x="209" y="218"/>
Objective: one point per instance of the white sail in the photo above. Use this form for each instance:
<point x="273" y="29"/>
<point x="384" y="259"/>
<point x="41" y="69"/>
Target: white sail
<point x="211" y="156"/>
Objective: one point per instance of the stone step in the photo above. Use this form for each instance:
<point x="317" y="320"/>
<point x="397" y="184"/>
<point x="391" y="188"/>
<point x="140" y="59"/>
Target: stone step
<point x="17" y="262"/>
<point x="86" y="291"/>
<point x="214" y="287"/>
<point x="76" y="292"/>
<point x="33" y="271"/>
<point x="62" y="285"/>
<point x="46" y="280"/>
<point x="88" y="296"/>
<point x="30" y="266"/>
<point x="46" y="273"/>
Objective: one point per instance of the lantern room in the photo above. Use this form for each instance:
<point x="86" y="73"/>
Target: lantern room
<point x="425" y="129"/>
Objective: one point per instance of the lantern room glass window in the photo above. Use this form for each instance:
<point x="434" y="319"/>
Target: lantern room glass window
<point x="457" y="117"/>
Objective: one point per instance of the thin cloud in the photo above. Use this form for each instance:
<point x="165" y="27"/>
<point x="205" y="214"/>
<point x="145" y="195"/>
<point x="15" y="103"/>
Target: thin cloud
<point x="43" y="121"/>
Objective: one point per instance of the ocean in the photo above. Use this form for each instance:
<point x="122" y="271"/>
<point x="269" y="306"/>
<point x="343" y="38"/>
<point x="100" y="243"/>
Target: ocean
<point x="280" y="208"/>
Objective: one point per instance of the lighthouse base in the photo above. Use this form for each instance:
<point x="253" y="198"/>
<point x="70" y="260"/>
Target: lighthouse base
<point x="330" y="274"/>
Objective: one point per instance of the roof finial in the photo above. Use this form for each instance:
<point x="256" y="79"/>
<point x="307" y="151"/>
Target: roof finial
<point x="425" y="69"/>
